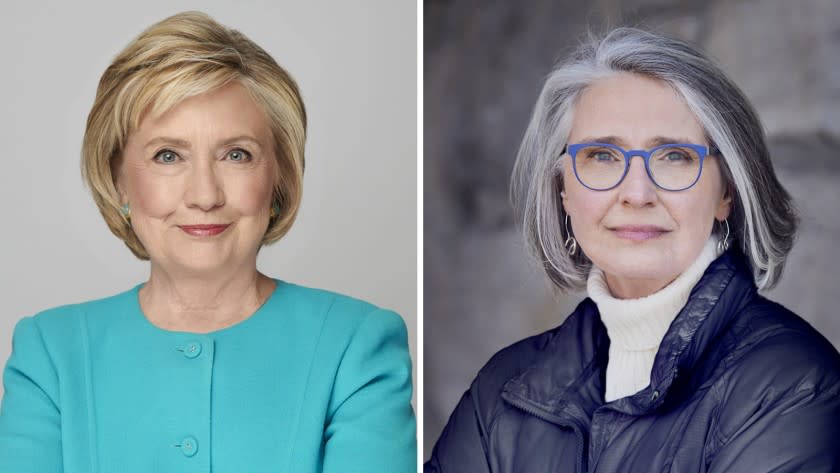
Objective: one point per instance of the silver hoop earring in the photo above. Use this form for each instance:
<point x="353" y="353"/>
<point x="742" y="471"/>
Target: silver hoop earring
<point x="723" y="245"/>
<point x="571" y="243"/>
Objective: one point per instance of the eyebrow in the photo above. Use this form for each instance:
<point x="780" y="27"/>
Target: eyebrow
<point x="185" y="144"/>
<point x="655" y="141"/>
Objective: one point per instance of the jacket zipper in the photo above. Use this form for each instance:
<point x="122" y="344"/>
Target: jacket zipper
<point x="572" y="423"/>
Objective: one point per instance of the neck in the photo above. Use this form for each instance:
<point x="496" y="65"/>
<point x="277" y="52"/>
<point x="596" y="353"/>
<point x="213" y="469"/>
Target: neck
<point x="636" y="326"/>
<point x="637" y="288"/>
<point x="202" y="302"/>
<point x="641" y="322"/>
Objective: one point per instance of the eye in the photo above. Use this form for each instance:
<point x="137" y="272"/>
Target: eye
<point x="238" y="155"/>
<point x="601" y="155"/>
<point x="675" y="156"/>
<point x="166" y="156"/>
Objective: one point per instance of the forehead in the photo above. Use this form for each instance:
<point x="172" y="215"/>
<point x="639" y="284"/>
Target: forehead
<point x="635" y="109"/>
<point x="227" y="110"/>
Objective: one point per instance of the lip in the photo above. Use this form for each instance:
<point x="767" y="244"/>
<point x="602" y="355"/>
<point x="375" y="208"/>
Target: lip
<point x="639" y="232"/>
<point x="204" y="230"/>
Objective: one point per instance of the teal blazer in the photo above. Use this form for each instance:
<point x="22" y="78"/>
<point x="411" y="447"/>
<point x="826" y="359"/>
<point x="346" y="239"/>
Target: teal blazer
<point x="313" y="381"/>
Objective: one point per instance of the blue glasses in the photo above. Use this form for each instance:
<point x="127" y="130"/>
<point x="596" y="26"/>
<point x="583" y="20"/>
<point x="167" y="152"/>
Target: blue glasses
<point x="673" y="167"/>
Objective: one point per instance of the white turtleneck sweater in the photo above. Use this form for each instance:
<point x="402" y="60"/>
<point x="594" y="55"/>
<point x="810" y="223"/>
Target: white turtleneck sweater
<point x="636" y="326"/>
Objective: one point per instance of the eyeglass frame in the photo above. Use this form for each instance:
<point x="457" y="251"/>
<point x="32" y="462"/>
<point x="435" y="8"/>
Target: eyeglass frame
<point x="701" y="150"/>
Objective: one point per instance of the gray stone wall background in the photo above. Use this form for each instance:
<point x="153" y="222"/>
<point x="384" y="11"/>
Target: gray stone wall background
<point x="483" y="67"/>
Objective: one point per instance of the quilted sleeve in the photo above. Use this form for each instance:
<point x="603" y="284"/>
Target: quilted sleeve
<point x="30" y="419"/>
<point x="798" y="432"/>
<point x="780" y="407"/>
<point x="460" y="447"/>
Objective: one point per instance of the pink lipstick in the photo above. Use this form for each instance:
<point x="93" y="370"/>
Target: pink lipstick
<point x="639" y="232"/>
<point x="203" y="230"/>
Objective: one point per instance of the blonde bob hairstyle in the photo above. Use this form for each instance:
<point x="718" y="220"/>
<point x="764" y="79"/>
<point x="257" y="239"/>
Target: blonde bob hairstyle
<point x="185" y="55"/>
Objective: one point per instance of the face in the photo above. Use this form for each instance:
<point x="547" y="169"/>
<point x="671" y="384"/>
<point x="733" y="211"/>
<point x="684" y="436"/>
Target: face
<point x="199" y="181"/>
<point x="641" y="236"/>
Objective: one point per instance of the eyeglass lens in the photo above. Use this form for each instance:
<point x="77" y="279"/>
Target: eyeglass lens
<point x="671" y="167"/>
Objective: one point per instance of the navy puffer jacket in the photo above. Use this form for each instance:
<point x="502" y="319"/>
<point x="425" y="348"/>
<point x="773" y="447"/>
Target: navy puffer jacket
<point x="739" y="384"/>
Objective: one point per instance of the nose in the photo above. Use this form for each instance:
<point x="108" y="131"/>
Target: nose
<point x="637" y="189"/>
<point x="204" y="188"/>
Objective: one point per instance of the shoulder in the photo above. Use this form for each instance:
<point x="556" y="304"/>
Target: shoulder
<point x="774" y="355"/>
<point x="57" y="323"/>
<point x="567" y="347"/>
<point x="341" y="316"/>
<point x="781" y="347"/>
<point x="50" y="342"/>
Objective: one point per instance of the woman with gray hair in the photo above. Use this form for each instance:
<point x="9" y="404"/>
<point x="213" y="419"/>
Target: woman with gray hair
<point x="674" y="362"/>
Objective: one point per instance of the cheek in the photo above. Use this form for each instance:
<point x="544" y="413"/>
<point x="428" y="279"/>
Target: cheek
<point x="250" y="195"/>
<point x="586" y="208"/>
<point x="689" y="210"/>
<point x="697" y="209"/>
<point x="154" y="196"/>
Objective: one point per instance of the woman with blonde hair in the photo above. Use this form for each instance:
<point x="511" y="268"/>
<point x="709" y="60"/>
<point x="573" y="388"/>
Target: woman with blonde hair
<point x="194" y="153"/>
<point x="644" y="177"/>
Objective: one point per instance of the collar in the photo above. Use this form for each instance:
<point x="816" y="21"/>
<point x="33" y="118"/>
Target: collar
<point x="639" y="324"/>
<point x="566" y="384"/>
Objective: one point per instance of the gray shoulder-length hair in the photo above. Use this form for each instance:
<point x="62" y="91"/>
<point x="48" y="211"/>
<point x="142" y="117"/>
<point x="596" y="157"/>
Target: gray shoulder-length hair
<point x="762" y="221"/>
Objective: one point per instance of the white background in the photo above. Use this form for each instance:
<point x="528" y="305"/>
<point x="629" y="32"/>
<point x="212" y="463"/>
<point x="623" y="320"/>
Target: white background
<point x="356" y="65"/>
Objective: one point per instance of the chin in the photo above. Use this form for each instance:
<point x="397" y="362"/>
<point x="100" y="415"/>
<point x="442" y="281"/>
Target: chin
<point x="635" y="263"/>
<point x="199" y="258"/>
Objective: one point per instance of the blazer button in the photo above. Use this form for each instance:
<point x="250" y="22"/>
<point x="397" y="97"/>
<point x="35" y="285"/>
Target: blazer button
<point x="192" y="350"/>
<point x="189" y="446"/>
